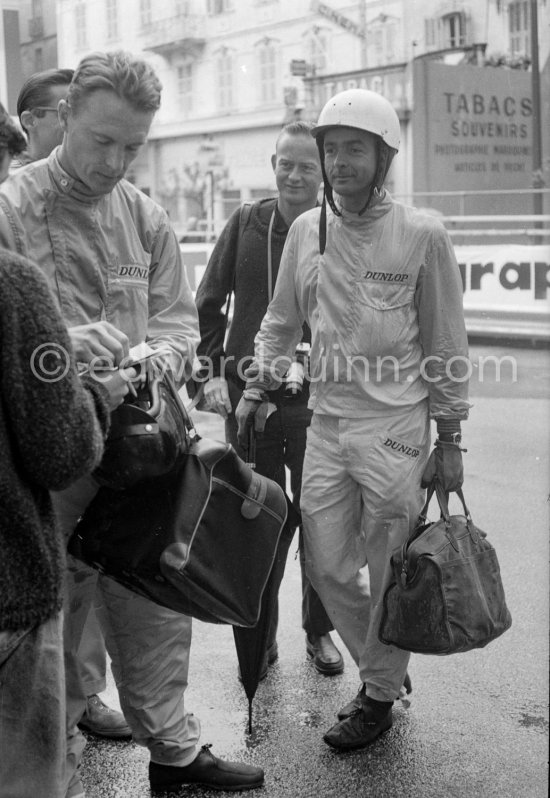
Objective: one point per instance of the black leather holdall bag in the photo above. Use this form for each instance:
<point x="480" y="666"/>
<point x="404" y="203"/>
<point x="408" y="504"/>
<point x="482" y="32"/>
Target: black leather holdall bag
<point x="148" y="434"/>
<point x="446" y="593"/>
<point x="201" y="539"/>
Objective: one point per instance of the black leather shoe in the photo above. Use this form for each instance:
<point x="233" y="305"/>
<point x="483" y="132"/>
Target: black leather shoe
<point x="326" y="657"/>
<point x="353" y="706"/>
<point x="208" y="771"/>
<point x="361" y="728"/>
<point x="356" y="704"/>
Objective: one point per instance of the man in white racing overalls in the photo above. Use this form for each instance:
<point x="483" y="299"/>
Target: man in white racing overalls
<point x="379" y="286"/>
<point x="113" y="262"/>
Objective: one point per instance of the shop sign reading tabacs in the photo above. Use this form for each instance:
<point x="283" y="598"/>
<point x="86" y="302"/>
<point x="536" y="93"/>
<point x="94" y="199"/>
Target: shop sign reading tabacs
<point x="472" y="128"/>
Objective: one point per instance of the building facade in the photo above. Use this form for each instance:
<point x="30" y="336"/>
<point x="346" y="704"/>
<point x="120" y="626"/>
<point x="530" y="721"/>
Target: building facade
<point x="38" y="36"/>
<point x="11" y="75"/>
<point x="234" y="71"/>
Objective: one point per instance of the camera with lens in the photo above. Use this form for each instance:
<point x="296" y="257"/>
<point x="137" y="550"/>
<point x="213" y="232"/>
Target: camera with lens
<point x="294" y="379"/>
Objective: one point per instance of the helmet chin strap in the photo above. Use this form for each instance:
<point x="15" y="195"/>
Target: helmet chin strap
<point x="327" y="197"/>
<point x="323" y="225"/>
<point x="384" y="158"/>
<point x="375" y="180"/>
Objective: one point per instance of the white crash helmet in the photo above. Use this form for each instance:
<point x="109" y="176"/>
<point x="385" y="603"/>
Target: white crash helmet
<point x="362" y="109"/>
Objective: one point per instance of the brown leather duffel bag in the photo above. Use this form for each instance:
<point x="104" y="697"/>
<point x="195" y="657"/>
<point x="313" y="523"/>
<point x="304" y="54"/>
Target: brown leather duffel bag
<point x="446" y="592"/>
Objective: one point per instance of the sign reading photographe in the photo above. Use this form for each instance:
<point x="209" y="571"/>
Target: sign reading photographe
<point x="472" y="128"/>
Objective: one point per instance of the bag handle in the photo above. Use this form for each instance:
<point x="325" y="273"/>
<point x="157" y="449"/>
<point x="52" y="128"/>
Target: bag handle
<point x="153" y="386"/>
<point x="442" y="499"/>
<point x="189" y="426"/>
<point x="443" y="502"/>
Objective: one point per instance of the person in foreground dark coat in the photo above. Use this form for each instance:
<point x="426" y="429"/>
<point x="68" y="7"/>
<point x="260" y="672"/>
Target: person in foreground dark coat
<point x="52" y="429"/>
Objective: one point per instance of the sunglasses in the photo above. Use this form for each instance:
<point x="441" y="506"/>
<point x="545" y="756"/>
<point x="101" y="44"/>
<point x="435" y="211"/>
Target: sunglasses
<point x="40" y="110"/>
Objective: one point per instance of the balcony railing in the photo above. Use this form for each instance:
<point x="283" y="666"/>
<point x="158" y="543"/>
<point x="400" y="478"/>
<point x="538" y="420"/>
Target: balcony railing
<point x="184" y="33"/>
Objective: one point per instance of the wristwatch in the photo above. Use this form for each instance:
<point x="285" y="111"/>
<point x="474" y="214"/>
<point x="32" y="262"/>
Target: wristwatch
<point x="450" y="437"/>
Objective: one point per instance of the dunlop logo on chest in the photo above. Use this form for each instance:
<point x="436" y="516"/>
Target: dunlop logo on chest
<point x="136" y="272"/>
<point x="402" y="448"/>
<point x="386" y="277"/>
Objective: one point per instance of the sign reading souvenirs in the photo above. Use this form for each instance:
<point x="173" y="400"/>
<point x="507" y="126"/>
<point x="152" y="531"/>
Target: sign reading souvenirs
<point x="472" y="128"/>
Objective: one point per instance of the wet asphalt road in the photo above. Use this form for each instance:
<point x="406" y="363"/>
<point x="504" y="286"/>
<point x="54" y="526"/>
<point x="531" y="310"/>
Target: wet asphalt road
<point x="478" y="724"/>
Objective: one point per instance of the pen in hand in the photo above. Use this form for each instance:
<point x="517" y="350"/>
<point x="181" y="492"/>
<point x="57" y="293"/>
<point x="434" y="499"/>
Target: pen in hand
<point x="111" y="370"/>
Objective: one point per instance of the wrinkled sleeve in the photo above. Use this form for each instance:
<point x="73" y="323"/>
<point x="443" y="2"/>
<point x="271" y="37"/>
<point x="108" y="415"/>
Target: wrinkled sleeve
<point x="442" y="329"/>
<point x="213" y="293"/>
<point x="173" y="319"/>
<point x="281" y="330"/>
<point x="10" y="234"/>
<point x="58" y="422"/>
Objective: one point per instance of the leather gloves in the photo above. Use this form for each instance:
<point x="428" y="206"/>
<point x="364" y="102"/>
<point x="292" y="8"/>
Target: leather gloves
<point x="445" y="462"/>
<point x="445" y="465"/>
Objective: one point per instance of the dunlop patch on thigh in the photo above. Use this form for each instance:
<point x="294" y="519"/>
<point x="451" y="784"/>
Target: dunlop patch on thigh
<point x="401" y="447"/>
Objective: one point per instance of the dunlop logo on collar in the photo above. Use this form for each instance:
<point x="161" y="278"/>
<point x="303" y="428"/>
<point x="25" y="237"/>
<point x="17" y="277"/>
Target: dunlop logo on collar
<point x="139" y="272"/>
<point x="386" y="277"/>
<point x="402" y="448"/>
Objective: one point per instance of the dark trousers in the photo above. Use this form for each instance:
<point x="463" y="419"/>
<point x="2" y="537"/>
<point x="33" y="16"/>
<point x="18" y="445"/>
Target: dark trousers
<point x="283" y="443"/>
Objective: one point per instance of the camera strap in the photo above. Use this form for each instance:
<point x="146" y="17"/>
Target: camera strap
<point x="270" y="258"/>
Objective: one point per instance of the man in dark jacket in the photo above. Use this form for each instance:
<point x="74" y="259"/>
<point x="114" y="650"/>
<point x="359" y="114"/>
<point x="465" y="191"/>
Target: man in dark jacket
<point x="245" y="262"/>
